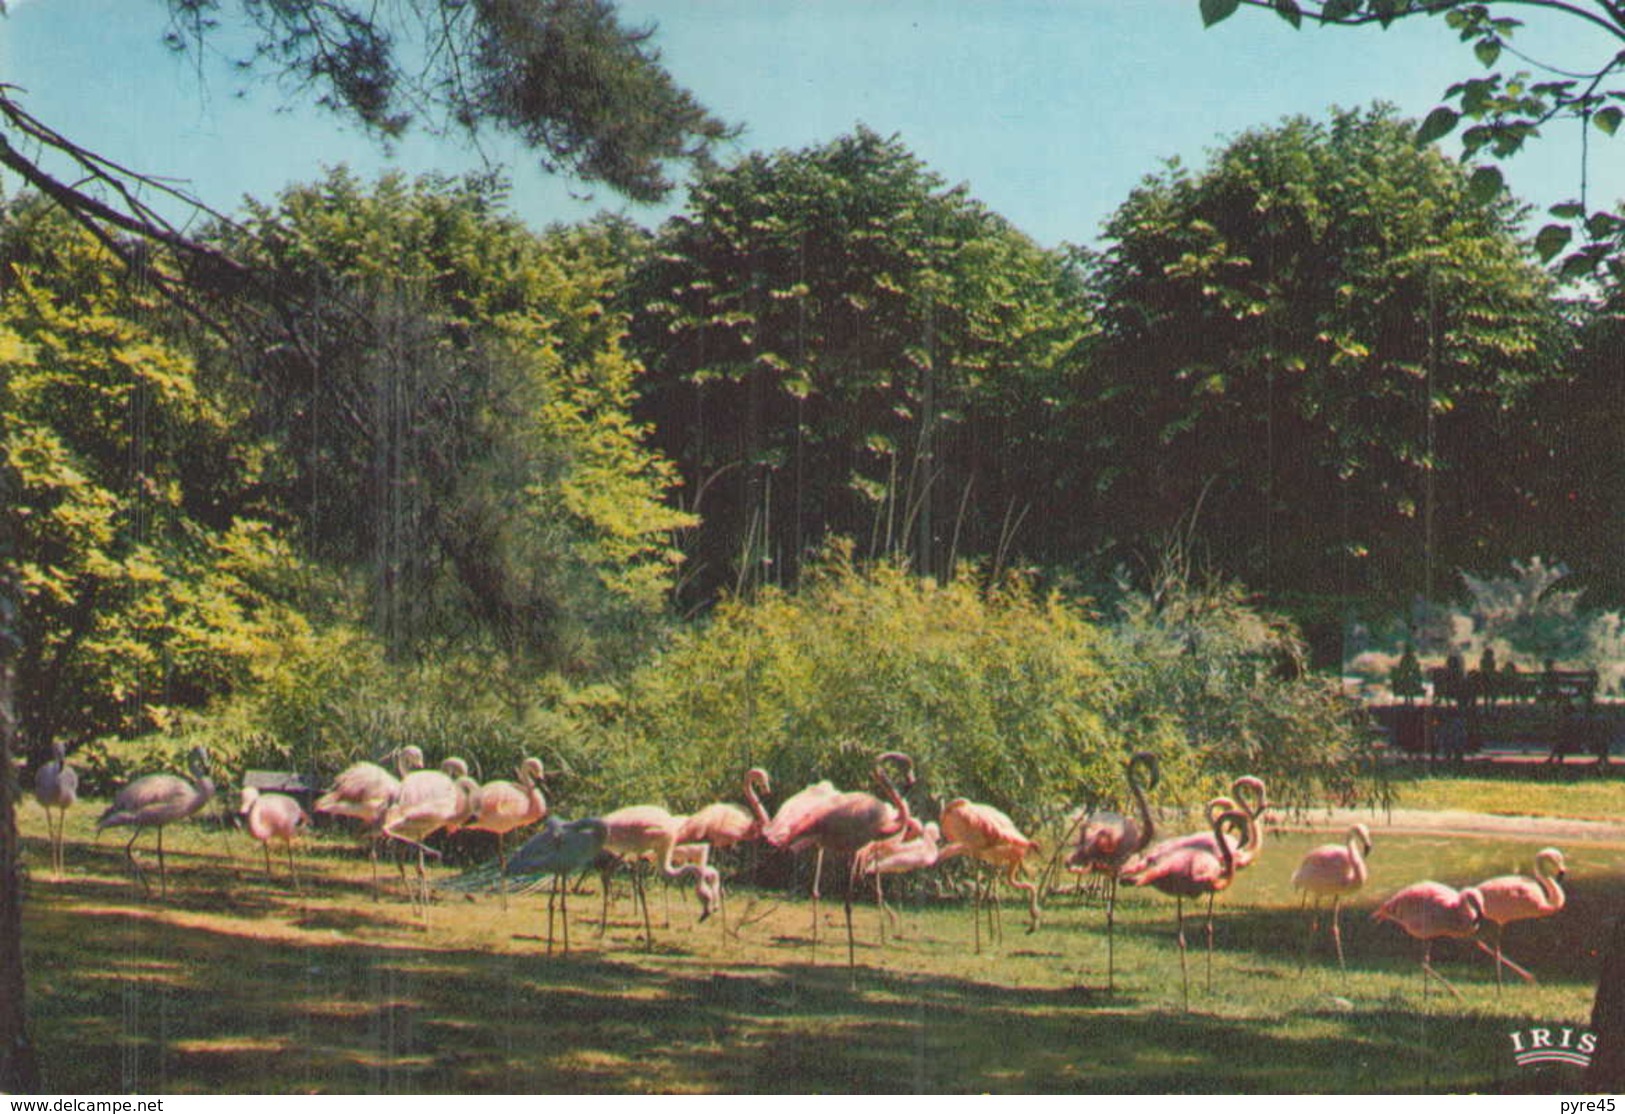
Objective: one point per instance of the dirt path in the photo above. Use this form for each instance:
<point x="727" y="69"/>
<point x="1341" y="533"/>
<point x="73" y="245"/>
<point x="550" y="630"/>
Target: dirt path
<point x="1456" y="822"/>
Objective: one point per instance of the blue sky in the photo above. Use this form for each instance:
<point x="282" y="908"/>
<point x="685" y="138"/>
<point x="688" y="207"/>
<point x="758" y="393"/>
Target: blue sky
<point x="1050" y="112"/>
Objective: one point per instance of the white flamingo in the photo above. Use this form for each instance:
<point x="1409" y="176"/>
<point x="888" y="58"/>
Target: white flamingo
<point x="155" y="800"/>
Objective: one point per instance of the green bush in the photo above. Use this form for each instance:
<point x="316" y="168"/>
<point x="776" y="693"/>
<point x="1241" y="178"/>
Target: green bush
<point x="999" y="693"/>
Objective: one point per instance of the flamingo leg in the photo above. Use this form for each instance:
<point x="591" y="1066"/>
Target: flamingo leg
<point x="135" y="864"/>
<point x="1210" y="897"/>
<point x="642" y="895"/>
<point x="293" y="873"/>
<point x="818" y="876"/>
<point x="1314" y="923"/>
<point x="1184" y="970"/>
<point x="502" y="861"/>
<point x="1337" y="933"/>
<point x="267" y="846"/>
<point x="163" y="871"/>
<point x="851" y="939"/>
<point x="1427" y="969"/>
<point x="1111" y="932"/>
<point x="1502" y="961"/>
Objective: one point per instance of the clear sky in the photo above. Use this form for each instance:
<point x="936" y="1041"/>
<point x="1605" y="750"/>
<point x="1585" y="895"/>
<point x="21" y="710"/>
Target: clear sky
<point x="1049" y="111"/>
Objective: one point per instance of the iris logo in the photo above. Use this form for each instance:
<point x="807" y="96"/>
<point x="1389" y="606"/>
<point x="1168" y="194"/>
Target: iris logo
<point x="1553" y="1046"/>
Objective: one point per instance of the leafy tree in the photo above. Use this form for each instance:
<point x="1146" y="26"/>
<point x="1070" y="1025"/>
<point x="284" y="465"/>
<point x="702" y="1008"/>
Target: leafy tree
<point x="1504" y="110"/>
<point x="839" y="344"/>
<point x="1317" y="347"/>
<point x="457" y="418"/>
<point x="149" y="579"/>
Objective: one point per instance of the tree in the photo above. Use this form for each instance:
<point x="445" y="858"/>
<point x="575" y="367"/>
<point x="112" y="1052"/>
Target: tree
<point x="1318" y="347"/>
<point x="456" y="422"/>
<point x="149" y="576"/>
<point x="840" y="344"/>
<point x="1503" y="111"/>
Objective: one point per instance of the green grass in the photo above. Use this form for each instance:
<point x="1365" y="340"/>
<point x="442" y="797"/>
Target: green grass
<point x="1573" y="791"/>
<point x="234" y="985"/>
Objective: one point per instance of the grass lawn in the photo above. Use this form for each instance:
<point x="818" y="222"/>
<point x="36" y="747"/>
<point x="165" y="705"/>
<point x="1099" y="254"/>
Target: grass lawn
<point x="235" y="985"/>
<point x="1573" y="790"/>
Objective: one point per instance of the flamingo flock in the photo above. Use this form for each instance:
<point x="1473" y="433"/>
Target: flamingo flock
<point x="872" y="834"/>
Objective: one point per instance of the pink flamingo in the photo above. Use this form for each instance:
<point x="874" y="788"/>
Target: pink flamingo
<point x="1334" y="870"/>
<point x="273" y="816"/>
<point x="56" y="786"/>
<point x="430" y="801"/>
<point x="897" y="855"/>
<point x="506" y="807"/>
<point x="1429" y="910"/>
<point x="155" y="800"/>
<point x="1106" y="841"/>
<point x="841" y="823"/>
<point x="365" y="790"/>
<point x="787" y="825"/>
<point x="1246" y="852"/>
<point x="726" y="825"/>
<point x="1517" y="897"/>
<point x="989" y="836"/>
<point x="648" y="830"/>
<point x="1191" y="871"/>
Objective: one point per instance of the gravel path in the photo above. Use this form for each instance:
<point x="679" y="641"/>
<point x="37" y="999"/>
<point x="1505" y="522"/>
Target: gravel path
<point x="1455" y="822"/>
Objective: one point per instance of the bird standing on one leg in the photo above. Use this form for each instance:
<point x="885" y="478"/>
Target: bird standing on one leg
<point x="155" y="800"/>
<point x="1106" y="841"/>
<point x="989" y="836"/>
<point x="1334" y="870"/>
<point x="56" y="786"/>
<point x="899" y="854"/>
<point x="506" y="807"/>
<point x="1509" y="898"/>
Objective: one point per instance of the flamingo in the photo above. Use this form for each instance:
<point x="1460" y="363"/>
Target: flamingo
<point x="506" y="807"/>
<point x="1517" y="897"/>
<point x="650" y="830"/>
<point x="155" y="800"/>
<point x="561" y="848"/>
<point x="841" y="823"/>
<point x="1106" y="841"/>
<point x="273" y="816"/>
<point x="897" y="855"/>
<point x="365" y="791"/>
<point x="1246" y="852"/>
<point x="1192" y="870"/>
<point x="1429" y="910"/>
<point x="56" y="786"/>
<point x="429" y="801"/>
<point x="724" y="825"/>
<point x="989" y="836"/>
<point x="1334" y="870"/>
<point x="789" y="823"/>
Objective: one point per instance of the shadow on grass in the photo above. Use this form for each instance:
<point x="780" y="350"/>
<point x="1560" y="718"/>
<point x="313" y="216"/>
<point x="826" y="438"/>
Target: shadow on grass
<point x="123" y="1002"/>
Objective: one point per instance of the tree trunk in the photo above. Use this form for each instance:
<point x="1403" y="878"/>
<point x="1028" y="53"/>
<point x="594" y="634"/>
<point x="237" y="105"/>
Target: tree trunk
<point x="19" y="1070"/>
<point x="1607" y="1070"/>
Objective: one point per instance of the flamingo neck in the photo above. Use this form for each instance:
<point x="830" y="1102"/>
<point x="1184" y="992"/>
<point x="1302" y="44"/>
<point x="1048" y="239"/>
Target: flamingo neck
<point x="752" y="776"/>
<point x="1148" y="827"/>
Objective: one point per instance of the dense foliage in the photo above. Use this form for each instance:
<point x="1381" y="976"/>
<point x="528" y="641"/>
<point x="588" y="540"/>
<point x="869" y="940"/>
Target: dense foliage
<point x="840" y="344"/>
<point x="1322" y="348"/>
